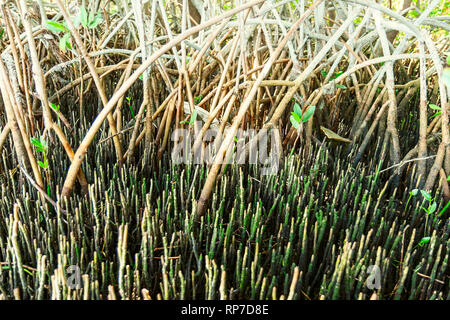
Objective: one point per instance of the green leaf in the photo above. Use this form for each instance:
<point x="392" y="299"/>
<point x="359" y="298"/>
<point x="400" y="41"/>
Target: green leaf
<point x="28" y="271"/>
<point x="308" y="113"/>
<point x="432" y="207"/>
<point x="43" y="165"/>
<point x="414" y="192"/>
<point x="434" y="107"/>
<point x="298" y="109"/>
<point x="94" y="21"/>
<point x="435" y="115"/>
<point x="424" y="240"/>
<point x="35" y="142"/>
<point x="337" y="74"/>
<point x="294" y="122"/>
<point x="426" y="195"/>
<point x="84" y="17"/>
<point x="193" y="117"/>
<point x="323" y="72"/>
<point x="443" y="209"/>
<point x="2" y="32"/>
<point x="341" y="86"/>
<point x="296" y="117"/>
<point x="56" y="27"/>
<point x="55" y="107"/>
<point x="64" y="42"/>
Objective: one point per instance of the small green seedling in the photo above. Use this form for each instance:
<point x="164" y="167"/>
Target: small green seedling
<point x="56" y="108"/>
<point x="64" y="40"/>
<point x="334" y="76"/>
<point x="423" y="242"/>
<point x="412" y="193"/>
<point x="2" y="32"/>
<point x="41" y="146"/>
<point x="130" y="107"/>
<point x="432" y="205"/>
<point x="435" y="107"/>
<point x="341" y="86"/>
<point x="191" y="120"/>
<point x="90" y="21"/>
<point x="297" y="117"/>
<point x="197" y="99"/>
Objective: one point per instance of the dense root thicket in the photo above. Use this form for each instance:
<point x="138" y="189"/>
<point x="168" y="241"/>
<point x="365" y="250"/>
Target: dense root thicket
<point x="310" y="232"/>
<point x="92" y="92"/>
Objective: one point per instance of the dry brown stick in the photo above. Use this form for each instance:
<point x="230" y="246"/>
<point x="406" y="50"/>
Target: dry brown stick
<point x="421" y="167"/>
<point x="4" y="135"/>
<point x="392" y="111"/>
<point x="24" y="71"/>
<point x="434" y="171"/>
<point x="22" y="144"/>
<point x="7" y="20"/>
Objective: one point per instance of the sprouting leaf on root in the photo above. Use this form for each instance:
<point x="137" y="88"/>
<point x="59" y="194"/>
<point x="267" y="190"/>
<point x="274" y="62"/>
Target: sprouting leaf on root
<point x="296" y="116"/>
<point x="39" y="144"/>
<point x="94" y="21"/>
<point x="436" y="114"/>
<point x="64" y="42"/>
<point x="424" y="240"/>
<point x="56" y="27"/>
<point x="434" y="107"/>
<point x="308" y="113"/>
<point x="334" y="136"/>
<point x="432" y="208"/>
<point x="84" y="17"/>
<point x="43" y="165"/>
<point x="426" y="195"/>
<point x="414" y="192"/>
<point x="341" y="86"/>
<point x="193" y="117"/>
<point x="297" y="109"/>
<point x="55" y="107"/>
<point x="294" y="122"/>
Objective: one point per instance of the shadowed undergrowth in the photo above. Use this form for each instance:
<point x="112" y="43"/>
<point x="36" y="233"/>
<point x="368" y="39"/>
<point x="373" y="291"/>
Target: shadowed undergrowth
<point x="309" y="232"/>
